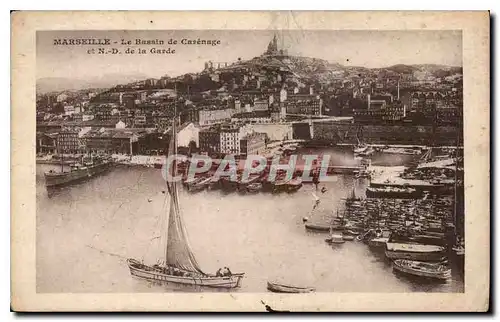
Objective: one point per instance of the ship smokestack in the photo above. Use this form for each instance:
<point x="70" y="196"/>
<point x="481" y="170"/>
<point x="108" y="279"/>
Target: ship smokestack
<point x="369" y="100"/>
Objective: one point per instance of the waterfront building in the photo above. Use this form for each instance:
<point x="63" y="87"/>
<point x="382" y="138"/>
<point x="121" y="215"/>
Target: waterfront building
<point x="304" y="104"/>
<point x="394" y="112"/>
<point x="140" y="120"/>
<point x="214" y="116"/>
<point x="121" y="141"/>
<point x="255" y="117"/>
<point x="120" y="125"/>
<point x="230" y="141"/>
<point x="209" y="140"/>
<point x="103" y="113"/>
<point x="449" y="115"/>
<point x="46" y="142"/>
<point x="69" y="110"/>
<point x="67" y="141"/>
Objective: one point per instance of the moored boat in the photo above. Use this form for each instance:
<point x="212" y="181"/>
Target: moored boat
<point x="394" y="150"/>
<point x="199" y="185"/>
<point x="284" y="288"/>
<point x="392" y="192"/>
<point x="294" y="185"/>
<point x="335" y="238"/>
<point x="280" y="186"/>
<point x="254" y="187"/>
<point x="77" y="172"/>
<point x="323" y="227"/>
<point x="318" y="227"/>
<point x="378" y="242"/>
<point x="213" y="183"/>
<point x="414" y="251"/>
<point x="351" y="232"/>
<point x="191" y="181"/>
<point x="422" y="269"/>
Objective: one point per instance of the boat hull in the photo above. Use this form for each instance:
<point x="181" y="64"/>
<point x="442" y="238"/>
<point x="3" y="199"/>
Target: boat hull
<point x="399" y="266"/>
<point x="381" y="193"/>
<point x="149" y="273"/>
<point x="378" y="243"/>
<point x="319" y="228"/>
<point x="60" y="179"/>
<point x="281" y="288"/>
<point x="416" y="256"/>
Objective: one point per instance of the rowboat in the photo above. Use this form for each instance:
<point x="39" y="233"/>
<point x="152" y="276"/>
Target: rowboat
<point x="348" y="237"/>
<point x="199" y="185"/>
<point x="322" y="227"/>
<point x="422" y="269"/>
<point x="283" y="288"/>
<point x="176" y="263"/>
<point x="335" y="239"/>
<point x="352" y="232"/>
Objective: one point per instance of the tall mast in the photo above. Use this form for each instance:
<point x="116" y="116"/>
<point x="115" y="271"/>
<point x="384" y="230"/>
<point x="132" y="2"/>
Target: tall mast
<point x="455" y="198"/>
<point x="62" y="156"/>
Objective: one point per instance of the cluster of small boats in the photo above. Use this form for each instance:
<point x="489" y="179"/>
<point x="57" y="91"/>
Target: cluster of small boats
<point x="414" y="252"/>
<point x="253" y="184"/>
<point x="411" y="258"/>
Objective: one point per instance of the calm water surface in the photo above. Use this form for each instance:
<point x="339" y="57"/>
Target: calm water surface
<point x="85" y="231"/>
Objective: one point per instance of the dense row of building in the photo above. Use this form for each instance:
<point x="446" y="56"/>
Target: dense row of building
<point x="219" y="105"/>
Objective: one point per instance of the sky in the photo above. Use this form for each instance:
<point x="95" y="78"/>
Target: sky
<point x="351" y="48"/>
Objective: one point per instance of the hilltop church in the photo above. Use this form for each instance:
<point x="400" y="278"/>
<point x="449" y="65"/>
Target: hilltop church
<point x="273" y="50"/>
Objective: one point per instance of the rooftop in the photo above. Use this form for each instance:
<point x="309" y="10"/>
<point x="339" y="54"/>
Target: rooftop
<point x="117" y="133"/>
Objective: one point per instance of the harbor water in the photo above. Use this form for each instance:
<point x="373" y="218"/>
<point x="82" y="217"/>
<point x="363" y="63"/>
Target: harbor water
<point x="86" y="231"/>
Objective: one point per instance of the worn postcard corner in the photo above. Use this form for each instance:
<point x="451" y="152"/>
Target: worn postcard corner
<point x="250" y="161"/>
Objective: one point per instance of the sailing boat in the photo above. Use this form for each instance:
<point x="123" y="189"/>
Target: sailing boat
<point x="178" y="262"/>
<point x="360" y="148"/>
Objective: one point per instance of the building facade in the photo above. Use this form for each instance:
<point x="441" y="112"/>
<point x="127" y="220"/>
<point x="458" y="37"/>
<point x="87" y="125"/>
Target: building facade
<point x="304" y="104"/>
<point x="230" y="141"/>
<point x="68" y="142"/>
<point x="208" y="117"/>
<point x="209" y="141"/>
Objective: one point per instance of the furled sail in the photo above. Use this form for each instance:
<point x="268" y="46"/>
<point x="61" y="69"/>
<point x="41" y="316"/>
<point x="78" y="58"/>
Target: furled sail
<point x="178" y="252"/>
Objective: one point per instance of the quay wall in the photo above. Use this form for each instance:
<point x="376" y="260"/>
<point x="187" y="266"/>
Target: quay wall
<point x="346" y="133"/>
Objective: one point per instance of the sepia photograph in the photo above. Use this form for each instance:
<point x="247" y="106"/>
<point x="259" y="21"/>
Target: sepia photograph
<point x="276" y="161"/>
<point x="383" y="130"/>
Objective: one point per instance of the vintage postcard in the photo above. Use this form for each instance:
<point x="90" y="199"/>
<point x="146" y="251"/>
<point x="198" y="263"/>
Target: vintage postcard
<point x="250" y="161"/>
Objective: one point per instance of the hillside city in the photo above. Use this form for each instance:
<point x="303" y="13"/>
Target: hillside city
<point x="240" y="107"/>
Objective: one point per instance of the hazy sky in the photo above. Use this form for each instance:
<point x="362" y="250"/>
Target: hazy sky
<point x="355" y="48"/>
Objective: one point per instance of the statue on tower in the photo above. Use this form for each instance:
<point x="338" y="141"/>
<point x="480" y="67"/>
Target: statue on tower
<point x="272" y="48"/>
